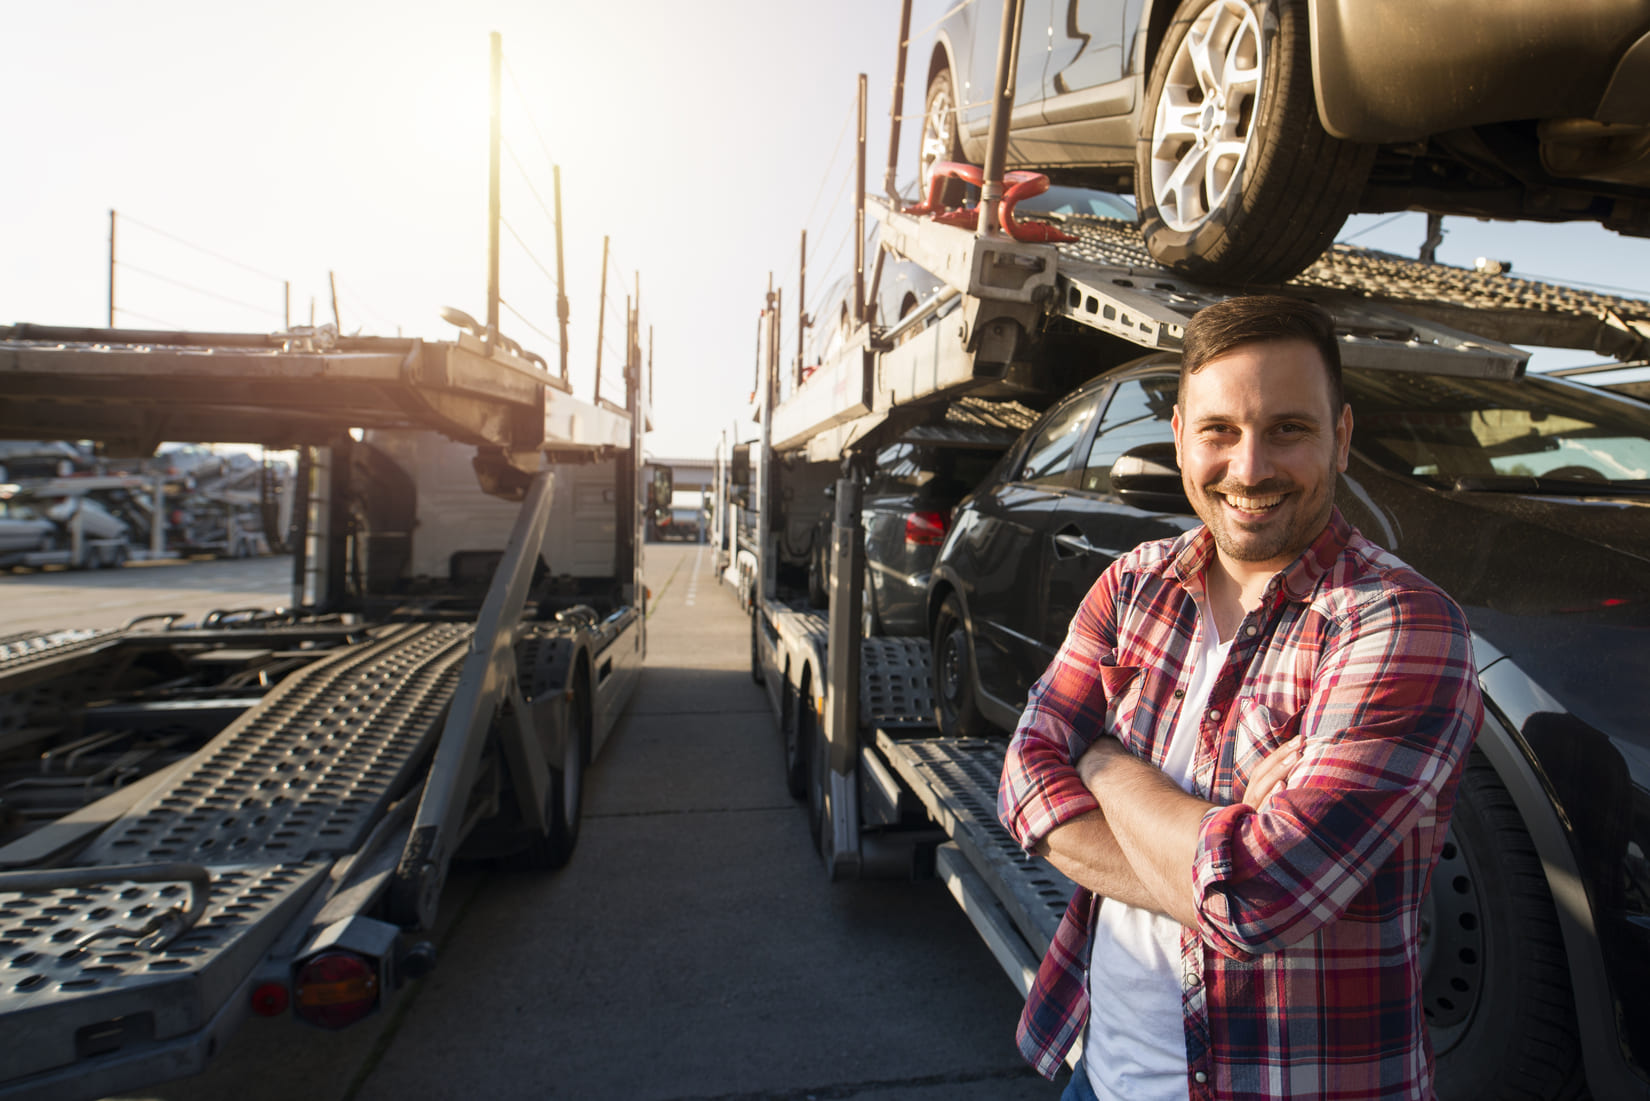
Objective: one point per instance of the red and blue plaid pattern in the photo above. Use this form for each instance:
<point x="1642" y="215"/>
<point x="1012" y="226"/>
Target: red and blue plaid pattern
<point x="1302" y="978"/>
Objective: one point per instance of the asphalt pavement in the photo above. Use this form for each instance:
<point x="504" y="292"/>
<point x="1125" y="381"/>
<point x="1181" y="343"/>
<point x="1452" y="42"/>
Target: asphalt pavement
<point x="691" y="950"/>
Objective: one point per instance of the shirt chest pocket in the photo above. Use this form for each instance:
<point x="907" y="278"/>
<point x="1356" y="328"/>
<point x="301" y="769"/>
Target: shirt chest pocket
<point x="1260" y="728"/>
<point x="1122" y="687"/>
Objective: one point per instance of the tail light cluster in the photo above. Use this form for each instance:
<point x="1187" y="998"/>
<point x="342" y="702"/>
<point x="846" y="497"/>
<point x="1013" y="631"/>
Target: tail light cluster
<point x="335" y="989"/>
<point x="926" y="528"/>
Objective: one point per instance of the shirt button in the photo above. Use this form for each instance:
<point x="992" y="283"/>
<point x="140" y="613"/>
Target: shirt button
<point x="1201" y="1077"/>
<point x="1214" y="713"/>
<point x="1179" y="692"/>
<point x="1249" y="630"/>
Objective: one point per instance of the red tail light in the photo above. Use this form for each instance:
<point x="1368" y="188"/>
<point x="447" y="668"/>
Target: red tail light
<point x="335" y="989"/>
<point x="270" y="999"/>
<point x="926" y="529"/>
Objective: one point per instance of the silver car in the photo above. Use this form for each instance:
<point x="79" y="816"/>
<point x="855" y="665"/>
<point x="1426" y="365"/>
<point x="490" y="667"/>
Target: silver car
<point x="1250" y="129"/>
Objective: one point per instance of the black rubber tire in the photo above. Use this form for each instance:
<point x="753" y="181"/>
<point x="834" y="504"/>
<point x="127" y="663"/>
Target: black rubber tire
<point x="949" y="144"/>
<point x="1496" y="984"/>
<point x="819" y="771"/>
<point x="756" y="653"/>
<point x="955" y="710"/>
<point x="798" y="724"/>
<point x="1296" y="184"/>
<point x="564" y="801"/>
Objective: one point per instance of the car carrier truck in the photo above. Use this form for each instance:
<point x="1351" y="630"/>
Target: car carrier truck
<point x="254" y="814"/>
<point x="1023" y="321"/>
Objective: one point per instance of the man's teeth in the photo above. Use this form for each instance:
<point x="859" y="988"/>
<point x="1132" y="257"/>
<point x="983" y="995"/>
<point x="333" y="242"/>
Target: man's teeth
<point x="1253" y="504"/>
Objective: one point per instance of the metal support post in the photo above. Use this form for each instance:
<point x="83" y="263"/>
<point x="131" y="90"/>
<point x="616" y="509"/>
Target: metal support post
<point x="601" y="323"/>
<point x="157" y="518"/>
<point x="801" y="308"/>
<point x="563" y="311"/>
<point x="766" y="581"/>
<point x="111" y="267"/>
<point x="496" y="44"/>
<point x="332" y="285"/>
<point x="889" y="185"/>
<point x="996" y="160"/>
<point x="840" y="842"/>
<point x="859" y="211"/>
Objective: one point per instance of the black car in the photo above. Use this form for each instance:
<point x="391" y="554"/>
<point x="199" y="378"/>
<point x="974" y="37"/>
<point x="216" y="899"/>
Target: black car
<point x="1528" y="500"/>
<point x="906" y="512"/>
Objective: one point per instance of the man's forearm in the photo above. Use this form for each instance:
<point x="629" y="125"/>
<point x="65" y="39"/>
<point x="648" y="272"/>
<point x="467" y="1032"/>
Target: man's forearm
<point x="1154" y="824"/>
<point x="1086" y="851"/>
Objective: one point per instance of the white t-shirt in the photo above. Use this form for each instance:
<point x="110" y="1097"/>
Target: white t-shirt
<point x="1135" y="1049"/>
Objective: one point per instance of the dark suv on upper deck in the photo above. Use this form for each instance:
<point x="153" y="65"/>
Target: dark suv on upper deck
<point x="1528" y="500"/>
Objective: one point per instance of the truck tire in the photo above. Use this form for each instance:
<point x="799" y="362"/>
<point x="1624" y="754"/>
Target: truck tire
<point x="1236" y="180"/>
<point x="1495" y="983"/>
<point x="799" y="723"/>
<point x="564" y="799"/>
<point x="819" y="773"/>
<point x="939" y="140"/>
<point x="955" y="709"/>
<point x="756" y="652"/>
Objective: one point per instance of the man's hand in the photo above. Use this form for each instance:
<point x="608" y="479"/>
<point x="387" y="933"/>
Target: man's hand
<point x="1271" y="773"/>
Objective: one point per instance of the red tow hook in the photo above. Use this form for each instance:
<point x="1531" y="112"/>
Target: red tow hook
<point x="1019" y="185"/>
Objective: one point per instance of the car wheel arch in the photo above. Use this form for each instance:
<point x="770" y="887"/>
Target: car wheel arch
<point x="1589" y="982"/>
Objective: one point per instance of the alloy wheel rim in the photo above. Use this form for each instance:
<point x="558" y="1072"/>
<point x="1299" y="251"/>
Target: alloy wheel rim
<point x="1205" y="118"/>
<point x="936" y="133"/>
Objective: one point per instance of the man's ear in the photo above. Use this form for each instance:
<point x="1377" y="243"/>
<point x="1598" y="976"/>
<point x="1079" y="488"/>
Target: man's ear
<point x="1343" y="437"/>
<point x="1174" y="423"/>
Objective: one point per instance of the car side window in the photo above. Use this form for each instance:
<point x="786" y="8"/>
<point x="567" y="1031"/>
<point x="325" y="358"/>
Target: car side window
<point x="1138" y="413"/>
<point x="1049" y="457"/>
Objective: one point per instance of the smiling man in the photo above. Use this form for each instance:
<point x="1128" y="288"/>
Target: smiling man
<point x="1245" y="754"/>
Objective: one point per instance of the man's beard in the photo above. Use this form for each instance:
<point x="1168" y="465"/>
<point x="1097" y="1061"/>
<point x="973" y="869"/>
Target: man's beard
<point x="1269" y="537"/>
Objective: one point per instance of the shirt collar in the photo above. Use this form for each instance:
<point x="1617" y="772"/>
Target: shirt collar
<point x="1298" y="579"/>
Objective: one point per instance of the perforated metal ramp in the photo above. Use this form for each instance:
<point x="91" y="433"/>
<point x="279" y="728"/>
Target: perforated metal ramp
<point x="307" y="771"/>
<point x="956" y="779"/>
<point x="56" y="998"/>
<point x="896" y="687"/>
<point x="266" y="806"/>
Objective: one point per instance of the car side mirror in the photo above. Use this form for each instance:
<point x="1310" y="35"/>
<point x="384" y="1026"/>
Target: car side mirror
<point x="1147" y="477"/>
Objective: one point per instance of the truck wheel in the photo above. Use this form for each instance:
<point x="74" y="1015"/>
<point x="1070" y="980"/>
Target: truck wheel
<point x="800" y="723"/>
<point x="1235" y="177"/>
<point x="1495" y="985"/>
<point x="954" y="707"/>
<point x="819" y="773"/>
<point x="756" y="652"/>
<point x="940" y="141"/>
<point x="564" y="801"/>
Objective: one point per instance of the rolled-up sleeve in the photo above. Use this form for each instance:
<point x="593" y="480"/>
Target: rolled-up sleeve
<point x="1393" y="710"/>
<point x="1064" y="714"/>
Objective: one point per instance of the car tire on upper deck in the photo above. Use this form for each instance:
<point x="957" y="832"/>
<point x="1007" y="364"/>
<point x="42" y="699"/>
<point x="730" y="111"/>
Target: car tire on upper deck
<point x="1236" y="180"/>
<point x="940" y="139"/>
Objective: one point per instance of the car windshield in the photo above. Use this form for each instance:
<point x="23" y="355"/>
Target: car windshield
<point x="1525" y="434"/>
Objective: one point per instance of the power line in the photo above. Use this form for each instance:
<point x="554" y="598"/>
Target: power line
<point x="853" y="111"/>
<point x="198" y="248"/>
<point x="195" y="289"/>
<point x="526" y="179"/>
<point x="554" y="343"/>
<point x="147" y="317"/>
<point x="524" y="247"/>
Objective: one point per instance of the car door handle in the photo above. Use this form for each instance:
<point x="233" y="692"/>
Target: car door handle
<point x="1071" y="542"/>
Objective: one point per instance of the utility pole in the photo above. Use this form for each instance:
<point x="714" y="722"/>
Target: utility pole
<point x="562" y="310"/>
<point x="601" y="322"/>
<point x="111" y="267"/>
<point x="497" y="51"/>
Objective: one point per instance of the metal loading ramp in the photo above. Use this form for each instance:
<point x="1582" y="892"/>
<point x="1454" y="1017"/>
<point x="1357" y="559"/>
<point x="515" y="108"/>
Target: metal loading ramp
<point x="265" y="808"/>
<point x="956" y="779"/>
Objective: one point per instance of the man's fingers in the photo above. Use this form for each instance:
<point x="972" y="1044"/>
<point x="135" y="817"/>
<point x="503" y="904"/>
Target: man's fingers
<point x="1272" y="771"/>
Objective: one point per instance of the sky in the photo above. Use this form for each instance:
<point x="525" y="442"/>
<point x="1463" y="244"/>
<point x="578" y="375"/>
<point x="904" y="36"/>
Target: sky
<point x="248" y="146"/>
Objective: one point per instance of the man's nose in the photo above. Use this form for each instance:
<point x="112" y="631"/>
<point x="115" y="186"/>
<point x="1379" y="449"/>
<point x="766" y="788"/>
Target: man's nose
<point x="1248" y="463"/>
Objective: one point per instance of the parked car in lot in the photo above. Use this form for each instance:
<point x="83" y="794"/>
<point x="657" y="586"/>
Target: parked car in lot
<point x="1249" y="129"/>
<point x="23" y="531"/>
<point x="1528" y="501"/>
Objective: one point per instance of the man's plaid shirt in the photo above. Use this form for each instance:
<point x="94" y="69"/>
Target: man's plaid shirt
<point x="1302" y="978"/>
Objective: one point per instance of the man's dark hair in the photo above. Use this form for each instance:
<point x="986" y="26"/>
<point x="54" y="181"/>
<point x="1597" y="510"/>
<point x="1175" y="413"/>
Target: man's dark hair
<point x="1262" y="319"/>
